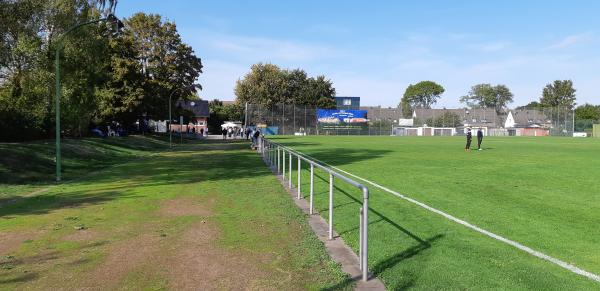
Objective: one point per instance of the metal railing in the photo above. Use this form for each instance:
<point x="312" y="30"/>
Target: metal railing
<point x="274" y="155"/>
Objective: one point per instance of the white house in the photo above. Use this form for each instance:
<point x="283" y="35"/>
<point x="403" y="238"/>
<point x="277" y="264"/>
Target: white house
<point x="510" y="121"/>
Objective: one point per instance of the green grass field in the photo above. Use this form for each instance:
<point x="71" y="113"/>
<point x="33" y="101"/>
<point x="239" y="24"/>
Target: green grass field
<point x="134" y="215"/>
<point x="541" y="192"/>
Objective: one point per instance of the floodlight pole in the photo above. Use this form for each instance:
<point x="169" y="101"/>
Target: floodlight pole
<point x="573" y="125"/>
<point x="246" y="116"/>
<point x="57" y="87"/>
<point x="59" y="47"/>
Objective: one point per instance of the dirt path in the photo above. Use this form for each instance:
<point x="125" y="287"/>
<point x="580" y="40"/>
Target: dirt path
<point x="190" y="259"/>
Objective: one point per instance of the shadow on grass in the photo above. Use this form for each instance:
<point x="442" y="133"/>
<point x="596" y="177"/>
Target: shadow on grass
<point x="382" y="218"/>
<point x="43" y="204"/>
<point x="390" y="262"/>
<point x="335" y="156"/>
<point x="17" y="279"/>
<point x="44" y="258"/>
<point x="34" y="162"/>
<point x="198" y="163"/>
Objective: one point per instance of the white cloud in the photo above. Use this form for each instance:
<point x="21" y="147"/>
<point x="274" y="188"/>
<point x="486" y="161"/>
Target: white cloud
<point x="493" y="46"/>
<point x="380" y="71"/>
<point x="271" y="50"/>
<point x="572" y="40"/>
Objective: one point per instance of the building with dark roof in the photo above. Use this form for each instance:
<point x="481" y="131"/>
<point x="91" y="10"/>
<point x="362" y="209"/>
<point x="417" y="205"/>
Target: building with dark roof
<point x="479" y="117"/>
<point x="199" y="122"/>
<point x="377" y="113"/>
<point x="527" y="118"/>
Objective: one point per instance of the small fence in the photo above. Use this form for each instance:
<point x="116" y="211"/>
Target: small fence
<point x="274" y="155"/>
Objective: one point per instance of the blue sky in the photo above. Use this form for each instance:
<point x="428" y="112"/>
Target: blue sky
<point x="375" y="49"/>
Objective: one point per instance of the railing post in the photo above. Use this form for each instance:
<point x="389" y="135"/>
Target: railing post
<point x="312" y="186"/>
<point x="271" y="160"/>
<point x="271" y="157"/>
<point x="299" y="172"/>
<point x="365" y="236"/>
<point x="278" y="160"/>
<point x="270" y="154"/>
<point x="330" y="206"/>
<point x="283" y="164"/>
<point x="266" y="152"/>
<point x="360" y="238"/>
<point x="290" y="171"/>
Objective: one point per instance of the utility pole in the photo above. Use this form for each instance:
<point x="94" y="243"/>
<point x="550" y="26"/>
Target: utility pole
<point x="246" y="115"/>
<point x="573" y="121"/>
<point x="59" y="46"/>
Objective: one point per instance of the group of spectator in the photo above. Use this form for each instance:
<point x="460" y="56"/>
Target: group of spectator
<point x="239" y="133"/>
<point x="232" y="132"/>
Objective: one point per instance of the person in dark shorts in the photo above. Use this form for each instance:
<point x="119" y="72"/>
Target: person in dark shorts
<point x="479" y="138"/>
<point x="469" y="138"/>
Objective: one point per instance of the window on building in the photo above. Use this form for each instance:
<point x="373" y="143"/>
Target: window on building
<point x="347" y="102"/>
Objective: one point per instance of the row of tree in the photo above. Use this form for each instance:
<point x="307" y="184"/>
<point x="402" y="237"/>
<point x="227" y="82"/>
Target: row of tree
<point x="426" y="93"/>
<point x="105" y="77"/>
<point x="268" y="84"/>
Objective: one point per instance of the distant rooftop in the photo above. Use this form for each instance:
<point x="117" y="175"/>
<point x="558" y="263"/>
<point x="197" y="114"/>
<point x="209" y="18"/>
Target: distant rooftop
<point x="198" y="107"/>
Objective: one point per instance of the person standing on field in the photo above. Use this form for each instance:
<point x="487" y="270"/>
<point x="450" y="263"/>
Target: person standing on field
<point x="469" y="138"/>
<point x="479" y="138"/>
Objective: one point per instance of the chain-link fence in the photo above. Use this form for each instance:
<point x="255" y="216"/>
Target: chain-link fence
<point x="290" y="119"/>
<point x="283" y="119"/>
<point x="586" y="126"/>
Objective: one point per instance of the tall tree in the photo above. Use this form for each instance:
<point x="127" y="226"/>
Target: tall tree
<point x="420" y="95"/>
<point x="488" y="96"/>
<point x="559" y="94"/>
<point x="122" y="95"/>
<point x="588" y="112"/>
<point x="531" y="105"/>
<point x="103" y="78"/>
<point x="148" y="63"/>
<point x="447" y="119"/>
<point x="219" y="113"/>
<point x="29" y="31"/>
<point x="268" y="84"/>
<point x="586" y="116"/>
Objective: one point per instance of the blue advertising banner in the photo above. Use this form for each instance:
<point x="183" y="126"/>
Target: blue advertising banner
<point x="334" y="119"/>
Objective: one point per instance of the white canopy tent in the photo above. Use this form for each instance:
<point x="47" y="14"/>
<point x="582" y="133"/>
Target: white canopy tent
<point x="231" y="124"/>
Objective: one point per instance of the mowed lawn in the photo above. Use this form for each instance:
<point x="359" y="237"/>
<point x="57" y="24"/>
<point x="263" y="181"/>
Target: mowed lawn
<point x="541" y="192"/>
<point x="206" y="215"/>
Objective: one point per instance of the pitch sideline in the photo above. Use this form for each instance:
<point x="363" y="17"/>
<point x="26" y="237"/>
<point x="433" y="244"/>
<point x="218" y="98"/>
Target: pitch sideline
<point x="515" y="244"/>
